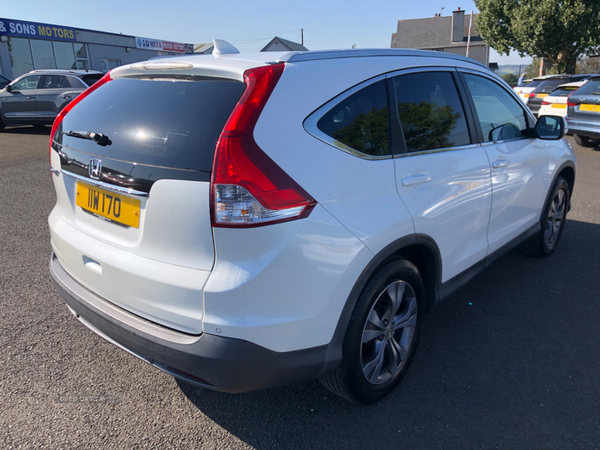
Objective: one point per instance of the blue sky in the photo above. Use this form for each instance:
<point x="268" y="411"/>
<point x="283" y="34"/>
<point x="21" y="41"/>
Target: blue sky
<point x="249" y="25"/>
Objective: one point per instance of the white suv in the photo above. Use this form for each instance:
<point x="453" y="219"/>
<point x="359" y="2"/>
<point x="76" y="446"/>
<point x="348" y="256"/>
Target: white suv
<point x="244" y="221"/>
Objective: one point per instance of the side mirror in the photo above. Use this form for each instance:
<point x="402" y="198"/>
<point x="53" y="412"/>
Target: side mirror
<point x="551" y="128"/>
<point x="9" y="88"/>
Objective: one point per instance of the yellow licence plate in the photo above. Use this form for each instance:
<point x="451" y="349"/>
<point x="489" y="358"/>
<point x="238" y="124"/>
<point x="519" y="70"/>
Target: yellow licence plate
<point x="559" y="105"/>
<point x="542" y="95"/>
<point x="584" y="107"/>
<point x="110" y="205"/>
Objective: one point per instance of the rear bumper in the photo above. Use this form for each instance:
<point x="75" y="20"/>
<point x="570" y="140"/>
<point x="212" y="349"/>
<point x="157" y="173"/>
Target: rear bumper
<point x="210" y="361"/>
<point x="584" y="128"/>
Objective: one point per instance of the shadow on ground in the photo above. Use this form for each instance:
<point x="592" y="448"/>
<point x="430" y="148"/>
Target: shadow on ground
<point x="27" y="129"/>
<point x="498" y="365"/>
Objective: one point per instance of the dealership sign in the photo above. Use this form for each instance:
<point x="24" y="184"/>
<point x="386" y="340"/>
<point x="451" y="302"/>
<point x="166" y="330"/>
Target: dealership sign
<point x="161" y="46"/>
<point x="19" y="28"/>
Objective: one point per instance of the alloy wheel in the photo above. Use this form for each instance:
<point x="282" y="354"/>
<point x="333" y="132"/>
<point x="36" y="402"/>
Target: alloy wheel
<point x="389" y="332"/>
<point x="556" y="216"/>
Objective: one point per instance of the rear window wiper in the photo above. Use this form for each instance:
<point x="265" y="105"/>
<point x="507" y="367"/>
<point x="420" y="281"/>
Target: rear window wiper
<point x="98" y="138"/>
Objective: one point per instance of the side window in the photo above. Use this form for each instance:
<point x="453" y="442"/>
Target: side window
<point x="361" y="121"/>
<point x="500" y="115"/>
<point x="430" y="111"/>
<point x="54" y="81"/>
<point x="29" y="82"/>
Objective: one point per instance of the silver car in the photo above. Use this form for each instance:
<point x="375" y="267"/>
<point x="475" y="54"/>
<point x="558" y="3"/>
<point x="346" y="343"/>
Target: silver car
<point x="35" y="98"/>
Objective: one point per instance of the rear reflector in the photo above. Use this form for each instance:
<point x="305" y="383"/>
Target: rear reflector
<point x="248" y="188"/>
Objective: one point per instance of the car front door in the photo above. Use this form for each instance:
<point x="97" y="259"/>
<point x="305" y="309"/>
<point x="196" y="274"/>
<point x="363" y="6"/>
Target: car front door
<point x="443" y="173"/>
<point x="519" y="162"/>
<point x="18" y="106"/>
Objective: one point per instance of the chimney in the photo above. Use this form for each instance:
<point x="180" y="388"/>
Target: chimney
<point x="458" y="25"/>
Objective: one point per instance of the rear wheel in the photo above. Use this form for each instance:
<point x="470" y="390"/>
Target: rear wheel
<point x="2" y="124"/>
<point x="552" y="223"/>
<point x="382" y="335"/>
<point x="586" y="141"/>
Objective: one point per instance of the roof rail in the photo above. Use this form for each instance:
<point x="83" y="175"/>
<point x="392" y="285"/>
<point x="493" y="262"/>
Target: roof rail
<point x="370" y="52"/>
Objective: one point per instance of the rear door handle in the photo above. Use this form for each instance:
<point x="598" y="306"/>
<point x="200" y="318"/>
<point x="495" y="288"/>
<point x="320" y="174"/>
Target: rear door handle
<point x="500" y="164"/>
<point x="65" y="96"/>
<point x="30" y="98"/>
<point x="415" y="180"/>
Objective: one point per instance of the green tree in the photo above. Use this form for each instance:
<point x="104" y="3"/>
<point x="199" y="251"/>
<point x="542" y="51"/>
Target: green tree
<point x="559" y="30"/>
<point x="511" y="78"/>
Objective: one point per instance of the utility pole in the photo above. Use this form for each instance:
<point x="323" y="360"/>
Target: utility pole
<point x="302" y="35"/>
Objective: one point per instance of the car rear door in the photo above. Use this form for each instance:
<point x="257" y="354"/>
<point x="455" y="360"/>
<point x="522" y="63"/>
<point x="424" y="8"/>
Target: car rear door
<point x="443" y="174"/>
<point x="53" y="94"/>
<point x="519" y="162"/>
<point x="19" y="106"/>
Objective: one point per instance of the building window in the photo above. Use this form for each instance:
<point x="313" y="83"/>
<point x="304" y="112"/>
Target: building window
<point x="83" y="62"/>
<point x="109" y="64"/>
<point x="43" y="54"/>
<point x="65" y="55"/>
<point x="20" y="56"/>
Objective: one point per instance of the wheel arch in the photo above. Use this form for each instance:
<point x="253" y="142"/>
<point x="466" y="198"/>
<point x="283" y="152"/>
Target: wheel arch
<point x="419" y="249"/>
<point x="567" y="171"/>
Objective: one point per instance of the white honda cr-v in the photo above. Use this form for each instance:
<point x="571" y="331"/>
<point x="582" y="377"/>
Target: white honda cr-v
<point x="245" y="221"/>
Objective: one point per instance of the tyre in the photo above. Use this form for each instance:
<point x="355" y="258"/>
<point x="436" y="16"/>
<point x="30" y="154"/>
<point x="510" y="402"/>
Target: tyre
<point x="552" y="222"/>
<point x="586" y="141"/>
<point x="2" y="125"/>
<point x="382" y="335"/>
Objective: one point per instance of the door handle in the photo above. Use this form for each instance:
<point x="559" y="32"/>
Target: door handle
<point x="415" y="180"/>
<point x="65" y="96"/>
<point x="30" y="98"/>
<point x="500" y="164"/>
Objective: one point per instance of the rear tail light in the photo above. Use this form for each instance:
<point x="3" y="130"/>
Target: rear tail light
<point x="569" y="102"/>
<point x="531" y="95"/>
<point x="545" y="102"/>
<point x="248" y="189"/>
<point x="61" y="115"/>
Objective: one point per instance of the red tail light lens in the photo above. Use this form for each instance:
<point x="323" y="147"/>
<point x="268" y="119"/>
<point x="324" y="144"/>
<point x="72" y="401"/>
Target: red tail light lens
<point x="248" y="188"/>
<point x="531" y="95"/>
<point x="105" y="79"/>
<point x="571" y="103"/>
<point x="545" y="103"/>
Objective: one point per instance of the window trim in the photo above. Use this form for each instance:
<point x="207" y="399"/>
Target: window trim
<point x="527" y="114"/>
<point x="472" y="126"/>
<point x="310" y="123"/>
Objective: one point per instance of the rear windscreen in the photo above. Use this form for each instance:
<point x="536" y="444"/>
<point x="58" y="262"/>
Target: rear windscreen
<point x="563" y="91"/>
<point x="534" y="83"/>
<point x="91" y="79"/>
<point x="591" y="87"/>
<point x="550" y="83"/>
<point x="161" y="122"/>
<point x="525" y="84"/>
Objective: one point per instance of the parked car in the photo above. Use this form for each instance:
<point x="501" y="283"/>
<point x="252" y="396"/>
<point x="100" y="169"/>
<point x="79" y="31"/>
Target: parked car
<point x="555" y="104"/>
<point x="250" y="221"/>
<point x="583" y="113"/>
<point x="36" y="98"/>
<point x="548" y="85"/>
<point x="3" y="81"/>
<point x="525" y="88"/>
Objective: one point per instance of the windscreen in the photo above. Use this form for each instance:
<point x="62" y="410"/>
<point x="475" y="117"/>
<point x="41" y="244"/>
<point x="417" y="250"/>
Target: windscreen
<point x="169" y="123"/>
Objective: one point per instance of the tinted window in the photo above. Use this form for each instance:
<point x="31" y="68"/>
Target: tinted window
<point x="53" y="82"/>
<point x="156" y="122"/>
<point x="430" y="111"/>
<point x="361" y="121"/>
<point x="525" y="84"/>
<point x="591" y="87"/>
<point x="564" y="91"/>
<point x="76" y="83"/>
<point x="534" y="83"/>
<point x="91" y="79"/>
<point x="544" y="85"/>
<point x="29" y="82"/>
<point x="500" y="115"/>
